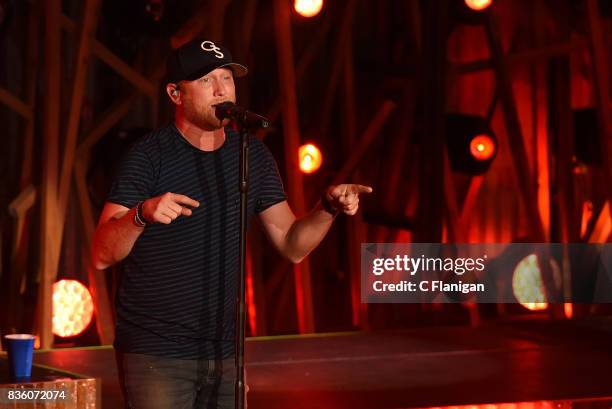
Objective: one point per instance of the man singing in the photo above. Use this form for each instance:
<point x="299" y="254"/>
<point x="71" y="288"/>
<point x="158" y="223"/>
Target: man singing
<point x="172" y="219"/>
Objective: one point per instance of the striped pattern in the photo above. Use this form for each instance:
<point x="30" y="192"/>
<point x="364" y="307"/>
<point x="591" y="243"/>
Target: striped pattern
<point x="178" y="285"/>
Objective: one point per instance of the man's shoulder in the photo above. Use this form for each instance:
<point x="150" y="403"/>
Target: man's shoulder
<point x="152" y="142"/>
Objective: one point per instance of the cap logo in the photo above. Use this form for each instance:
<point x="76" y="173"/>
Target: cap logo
<point x="210" y="46"/>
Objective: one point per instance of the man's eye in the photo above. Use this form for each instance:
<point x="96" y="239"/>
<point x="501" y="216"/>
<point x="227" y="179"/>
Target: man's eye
<point x="205" y="80"/>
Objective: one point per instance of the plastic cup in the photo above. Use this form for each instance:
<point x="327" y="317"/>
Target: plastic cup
<point x="19" y="348"/>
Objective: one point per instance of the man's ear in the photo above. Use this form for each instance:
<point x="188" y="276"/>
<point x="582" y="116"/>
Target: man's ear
<point x="174" y="93"/>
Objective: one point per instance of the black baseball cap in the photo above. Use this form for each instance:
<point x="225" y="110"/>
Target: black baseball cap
<point x="199" y="57"/>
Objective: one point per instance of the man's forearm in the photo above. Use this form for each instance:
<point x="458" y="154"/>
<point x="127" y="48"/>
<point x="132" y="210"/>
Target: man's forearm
<point x="306" y="233"/>
<point x="114" y="240"/>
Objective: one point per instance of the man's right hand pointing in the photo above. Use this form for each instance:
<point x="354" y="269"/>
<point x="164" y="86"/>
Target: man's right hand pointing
<point x="167" y="207"/>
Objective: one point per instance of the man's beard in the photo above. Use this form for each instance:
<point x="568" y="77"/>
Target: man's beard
<point x="204" y="121"/>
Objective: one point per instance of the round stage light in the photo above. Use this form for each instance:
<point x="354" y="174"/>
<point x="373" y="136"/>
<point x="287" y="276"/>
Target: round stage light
<point x="308" y="8"/>
<point x="72" y="308"/>
<point x="527" y="284"/>
<point x="310" y="158"/>
<point x="478" y="5"/>
<point x="482" y="147"/>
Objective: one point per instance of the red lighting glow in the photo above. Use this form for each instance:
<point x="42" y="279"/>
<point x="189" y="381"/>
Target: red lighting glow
<point x="310" y="158"/>
<point x="72" y="308"/>
<point x="308" y="8"/>
<point x="517" y="405"/>
<point x="568" y="309"/>
<point x="478" y="5"/>
<point x="482" y="147"/>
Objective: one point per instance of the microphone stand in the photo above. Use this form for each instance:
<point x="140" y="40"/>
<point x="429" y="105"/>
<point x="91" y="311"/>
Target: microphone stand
<point x="245" y="121"/>
<point x="240" y="397"/>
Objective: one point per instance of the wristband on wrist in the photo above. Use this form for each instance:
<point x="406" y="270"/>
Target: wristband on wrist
<point x="139" y="219"/>
<point x="327" y="206"/>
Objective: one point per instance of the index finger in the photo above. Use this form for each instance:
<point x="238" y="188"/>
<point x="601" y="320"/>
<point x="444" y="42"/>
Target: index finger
<point x="186" y="200"/>
<point x="361" y="189"/>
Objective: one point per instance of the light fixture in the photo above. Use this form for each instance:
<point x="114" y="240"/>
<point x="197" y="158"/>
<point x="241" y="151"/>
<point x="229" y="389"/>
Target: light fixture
<point x="482" y="147"/>
<point x="470" y="142"/>
<point x="478" y="5"/>
<point x="310" y="158"/>
<point x="72" y="308"/>
<point x="308" y="8"/>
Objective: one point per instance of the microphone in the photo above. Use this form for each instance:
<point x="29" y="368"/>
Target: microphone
<point x="229" y="110"/>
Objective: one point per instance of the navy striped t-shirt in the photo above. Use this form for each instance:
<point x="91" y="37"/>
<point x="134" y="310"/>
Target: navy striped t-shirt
<point x="178" y="285"/>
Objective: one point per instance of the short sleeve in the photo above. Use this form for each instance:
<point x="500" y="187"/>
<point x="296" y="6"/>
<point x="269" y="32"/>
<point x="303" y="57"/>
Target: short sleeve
<point x="271" y="189"/>
<point x="135" y="180"/>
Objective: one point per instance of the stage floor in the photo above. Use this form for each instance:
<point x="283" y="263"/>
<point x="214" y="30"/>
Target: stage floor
<point x="511" y="362"/>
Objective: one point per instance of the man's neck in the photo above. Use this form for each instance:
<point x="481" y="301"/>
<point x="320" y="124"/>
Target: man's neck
<point x="202" y="139"/>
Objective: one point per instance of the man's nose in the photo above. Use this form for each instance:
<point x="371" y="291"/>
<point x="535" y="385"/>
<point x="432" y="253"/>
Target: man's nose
<point x="220" y="89"/>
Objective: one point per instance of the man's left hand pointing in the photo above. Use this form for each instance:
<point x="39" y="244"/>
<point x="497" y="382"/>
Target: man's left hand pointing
<point x="345" y="197"/>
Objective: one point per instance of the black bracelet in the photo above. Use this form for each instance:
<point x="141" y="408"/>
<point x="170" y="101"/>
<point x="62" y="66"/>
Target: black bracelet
<point x="139" y="219"/>
<point x="327" y="206"/>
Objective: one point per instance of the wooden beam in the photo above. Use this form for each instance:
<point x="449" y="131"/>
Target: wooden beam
<point x="456" y="231"/>
<point x="603" y="226"/>
<point x="306" y="59"/>
<point x="97" y="280"/>
<point x="217" y="19"/>
<point x="86" y="35"/>
<point x="191" y="28"/>
<point x="240" y="41"/>
<point x="515" y="134"/>
<point x="415" y="28"/>
<point x="127" y="72"/>
<point x="565" y="227"/>
<point x="344" y="35"/>
<point x="30" y="87"/>
<point x="356" y="230"/>
<point x="540" y="122"/>
<point x="109" y="58"/>
<point x="295" y="186"/>
<point x="522" y="57"/>
<point x="396" y="154"/>
<point x="16" y="104"/>
<point x="601" y="76"/>
<point x="87" y="214"/>
<point x="23" y="202"/>
<point x="471" y="198"/>
<point x="23" y="228"/>
<point x="278" y="275"/>
<point x="255" y="249"/>
<point x="251" y="309"/>
<point x="49" y="181"/>
<point x="208" y="17"/>
<point x="429" y="213"/>
<point x="106" y="122"/>
<point x="87" y="31"/>
<point x="18" y="209"/>
<point x="365" y="140"/>
<point x="248" y="22"/>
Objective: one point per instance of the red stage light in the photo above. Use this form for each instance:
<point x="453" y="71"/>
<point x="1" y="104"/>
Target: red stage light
<point x="568" y="309"/>
<point x="482" y="147"/>
<point x="310" y="158"/>
<point x="72" y="308"/>
<point x="478" y="5"/>
<point x="308" y="8"/>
